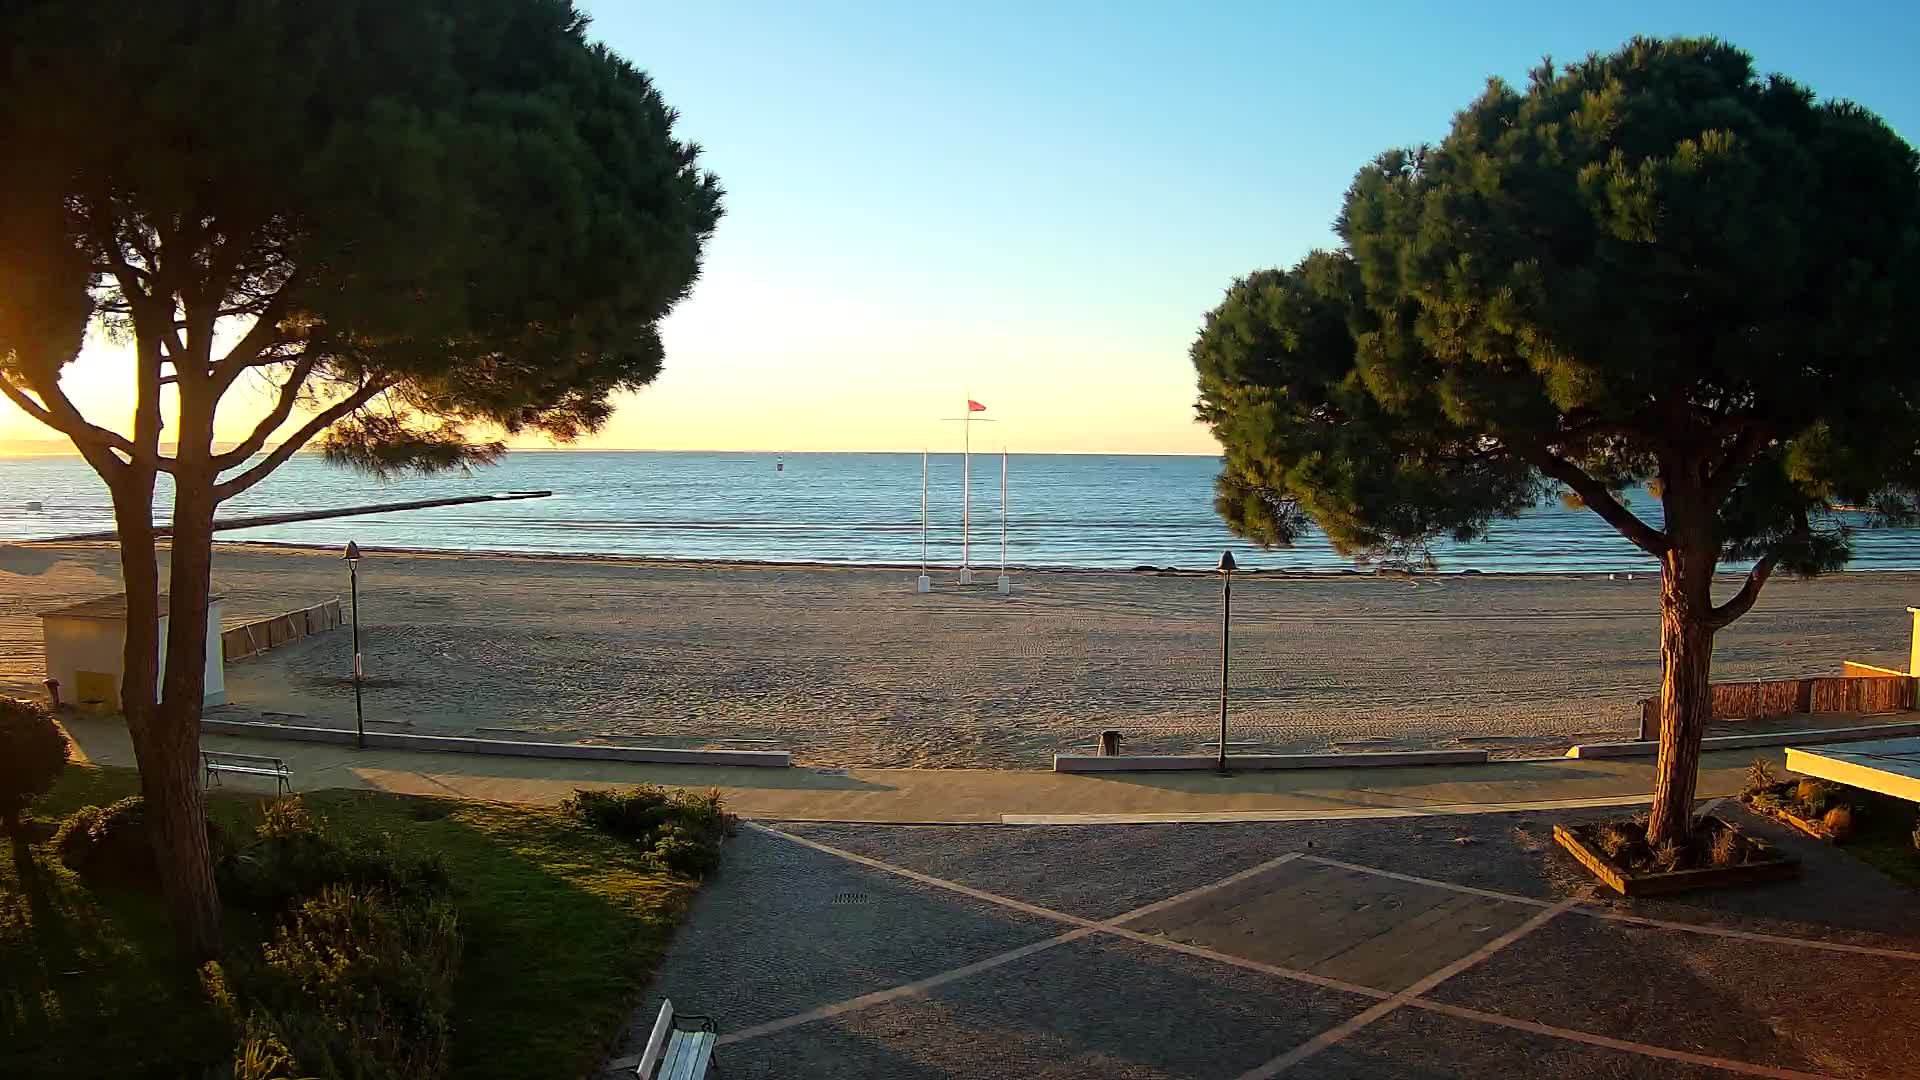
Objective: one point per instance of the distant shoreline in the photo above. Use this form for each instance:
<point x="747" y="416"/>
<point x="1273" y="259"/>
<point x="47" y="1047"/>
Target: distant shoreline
<point x="981" y="571"/>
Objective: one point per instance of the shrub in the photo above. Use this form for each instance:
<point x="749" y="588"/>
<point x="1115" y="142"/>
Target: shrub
<point x="1760" y="777"/>
<point x="1615" y="840"/>
<point x="109" y="843"/>
<point x="1839" y="822"/>
<point x="1727" y="848"/>
<point x="32" y="754"/>
<point x="112" y="843"/>
<point x="293" y="857"/>
<point x="1813" y="796"/>
<point x="359" y="983"/>
<point x="1667" y="858"/>
<point x="680" y="831"/>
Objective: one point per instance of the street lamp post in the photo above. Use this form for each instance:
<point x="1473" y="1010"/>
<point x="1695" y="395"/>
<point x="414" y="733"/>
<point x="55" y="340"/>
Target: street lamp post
<point x="1226" y="627"/>
<point x="353" y="584"/>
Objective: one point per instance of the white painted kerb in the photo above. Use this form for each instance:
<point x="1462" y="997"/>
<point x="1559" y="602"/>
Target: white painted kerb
<point x="1091" y="763"/>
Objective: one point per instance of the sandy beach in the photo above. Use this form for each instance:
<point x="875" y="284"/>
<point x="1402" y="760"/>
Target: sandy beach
<point x="850" y="667"/>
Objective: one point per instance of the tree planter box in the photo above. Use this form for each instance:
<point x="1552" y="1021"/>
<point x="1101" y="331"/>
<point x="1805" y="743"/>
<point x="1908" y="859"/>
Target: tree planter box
<point x="1817" y="830"/>
<point x="1775" y="867"/>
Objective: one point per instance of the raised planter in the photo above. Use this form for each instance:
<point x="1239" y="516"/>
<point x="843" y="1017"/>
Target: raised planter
<point x="394" y="740"/>
<point x="1774" y="867"/>
<point x="1810" y="737"/>
<point x="1095" y="763"/>
<point x="1815" y="829"/>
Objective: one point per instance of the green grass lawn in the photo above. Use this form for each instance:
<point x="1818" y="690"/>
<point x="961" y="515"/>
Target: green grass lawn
<point x="1883" y="835"/>
<point x="562" y="926"/>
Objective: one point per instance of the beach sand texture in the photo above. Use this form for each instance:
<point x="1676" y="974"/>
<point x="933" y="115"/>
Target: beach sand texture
<point x="850" y="667"/>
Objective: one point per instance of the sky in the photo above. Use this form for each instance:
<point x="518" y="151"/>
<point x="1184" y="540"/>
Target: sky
<point x="1034" y="204"/>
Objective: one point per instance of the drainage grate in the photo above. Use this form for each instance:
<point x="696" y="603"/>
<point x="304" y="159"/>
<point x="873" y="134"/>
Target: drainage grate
<point x="845" y="898"/>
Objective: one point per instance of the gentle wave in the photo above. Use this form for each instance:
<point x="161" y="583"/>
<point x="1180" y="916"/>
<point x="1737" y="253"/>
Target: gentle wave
<point x="1064" y="511"/>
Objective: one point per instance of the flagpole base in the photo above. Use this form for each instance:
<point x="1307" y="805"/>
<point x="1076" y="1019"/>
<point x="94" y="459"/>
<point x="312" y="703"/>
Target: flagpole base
<point x="923" y="584"/>
<point x="966" y="576"/>
<point x="1006" y="585"/>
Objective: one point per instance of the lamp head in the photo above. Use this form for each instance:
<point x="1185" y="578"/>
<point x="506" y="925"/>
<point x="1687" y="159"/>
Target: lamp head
<point x="1226" y="563"/>
<point x="353" y="552"/>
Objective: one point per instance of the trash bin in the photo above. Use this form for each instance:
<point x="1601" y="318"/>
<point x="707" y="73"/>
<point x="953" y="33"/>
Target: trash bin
<point x="1109" y="743"/>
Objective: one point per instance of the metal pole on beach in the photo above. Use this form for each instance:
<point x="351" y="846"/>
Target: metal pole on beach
<point x="1005" y="583"/>
<point x="1226" y="628"/>
<point x="966" y="493"/>
<point x="353" y="584"/>
<point x="924" y="583"/>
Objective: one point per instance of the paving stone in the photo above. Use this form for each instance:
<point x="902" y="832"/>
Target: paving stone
<point x="1363" y="928"/>
<point x="1093" y="1008"/>
<point x="1778" y="1005"/>
<point x="782" y="929"/>
<point x="1412" y="1044"/>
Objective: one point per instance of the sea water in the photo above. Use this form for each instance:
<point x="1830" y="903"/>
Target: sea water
<point x="1086" y="510"/>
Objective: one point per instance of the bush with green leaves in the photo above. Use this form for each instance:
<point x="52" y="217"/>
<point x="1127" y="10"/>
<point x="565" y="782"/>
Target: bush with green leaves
<point x="357" y="979"/>
<point x="293" y="856"/>
<point x="680" y="831"/>
<point x="32" y="754"/>
<point x="113" y="844"/>
<point x="360" y="983"/>
<point x="356" y="982"/>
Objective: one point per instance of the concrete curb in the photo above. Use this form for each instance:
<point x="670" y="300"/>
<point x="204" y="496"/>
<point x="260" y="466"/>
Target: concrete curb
<point x="389" y="740"/>
<point x="1651" y="747"/>
<point x="1088" y="763"/>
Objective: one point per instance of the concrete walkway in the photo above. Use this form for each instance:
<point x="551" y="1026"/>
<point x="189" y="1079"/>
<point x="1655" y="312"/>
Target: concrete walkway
<point x="971" y="795"/>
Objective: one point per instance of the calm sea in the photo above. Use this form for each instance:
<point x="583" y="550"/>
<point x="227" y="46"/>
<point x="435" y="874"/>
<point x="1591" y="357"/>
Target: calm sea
<point x="1063" y="511"/>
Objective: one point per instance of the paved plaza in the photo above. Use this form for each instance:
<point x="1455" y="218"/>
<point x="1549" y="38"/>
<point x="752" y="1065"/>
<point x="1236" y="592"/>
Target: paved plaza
<point x="1460" y="946"/>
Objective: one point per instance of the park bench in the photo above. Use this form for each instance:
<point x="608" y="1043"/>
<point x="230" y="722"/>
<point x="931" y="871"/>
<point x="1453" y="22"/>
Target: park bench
<point x="219" y="761"/>
<point x="674" y="1052"/>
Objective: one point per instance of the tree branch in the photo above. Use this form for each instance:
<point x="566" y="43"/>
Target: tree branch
<point x="323" y="420"/>
<point x="265" y="331"/>
<point x="1599" y="500"/>
<point x="282" y="408"/>
<point x="60" y="414"/>
<point x="1742" y="601"/>
<point x="1745" y="447"/>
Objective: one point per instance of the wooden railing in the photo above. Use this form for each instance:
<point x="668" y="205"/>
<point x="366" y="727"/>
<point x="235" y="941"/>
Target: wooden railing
<point x="1864" y="688"/>
<point x="250" y="639"/>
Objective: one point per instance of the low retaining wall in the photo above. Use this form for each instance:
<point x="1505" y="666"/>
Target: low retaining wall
<point x="254" y="638"/>
<point x="453" y="744"/>
<point x="1650" y="747"/>
<point x="1860" y="688"/>
<point x="1091" y="763"/>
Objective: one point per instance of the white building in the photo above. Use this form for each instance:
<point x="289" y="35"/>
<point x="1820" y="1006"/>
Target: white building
<point x="86" y="646"/>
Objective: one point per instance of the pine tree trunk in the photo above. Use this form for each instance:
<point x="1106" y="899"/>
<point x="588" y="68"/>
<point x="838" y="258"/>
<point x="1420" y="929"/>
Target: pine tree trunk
<point x="167" y="752"/>
<point x="1686" y="663"/>
<point x="180" y="839"/>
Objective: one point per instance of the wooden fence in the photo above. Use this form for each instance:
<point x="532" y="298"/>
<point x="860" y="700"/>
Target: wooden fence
<point x="251" y="639"/>
<point x="1864" y="688"/>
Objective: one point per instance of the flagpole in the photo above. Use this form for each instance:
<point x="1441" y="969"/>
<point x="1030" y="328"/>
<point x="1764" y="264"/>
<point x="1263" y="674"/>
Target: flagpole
<point x="1005" y="583"/>
<point x="966" y="493"/>
<point x="923" y="583"/>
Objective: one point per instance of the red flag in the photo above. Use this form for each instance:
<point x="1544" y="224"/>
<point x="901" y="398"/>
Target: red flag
<point x="974" y="406"/>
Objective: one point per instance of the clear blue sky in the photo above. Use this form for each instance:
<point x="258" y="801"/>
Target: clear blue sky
<point x="1035" y="203"/>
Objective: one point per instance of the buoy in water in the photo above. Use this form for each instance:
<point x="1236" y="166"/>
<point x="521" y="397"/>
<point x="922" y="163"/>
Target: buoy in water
<point x="36" y="507"/>
<point x="779" y="466"/>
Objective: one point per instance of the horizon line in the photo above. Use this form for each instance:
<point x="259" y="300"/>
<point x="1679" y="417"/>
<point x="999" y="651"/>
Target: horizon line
<point x="70" y="452"/>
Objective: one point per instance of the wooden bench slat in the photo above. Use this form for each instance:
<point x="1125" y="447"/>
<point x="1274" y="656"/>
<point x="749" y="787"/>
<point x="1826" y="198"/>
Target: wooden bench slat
<point x="690" y="1053"/>
<point x="224" y="755"/>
